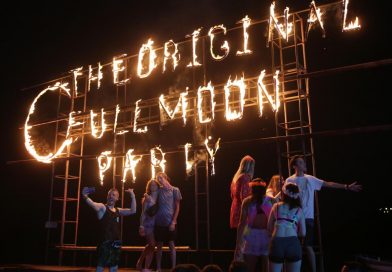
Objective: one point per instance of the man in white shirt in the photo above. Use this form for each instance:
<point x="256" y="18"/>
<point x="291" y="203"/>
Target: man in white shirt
<point x="307" y="185"/>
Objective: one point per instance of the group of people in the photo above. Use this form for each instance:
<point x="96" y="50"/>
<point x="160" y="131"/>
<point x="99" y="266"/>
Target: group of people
<point x="273" y="223"/>
<point x="160" y="209"/>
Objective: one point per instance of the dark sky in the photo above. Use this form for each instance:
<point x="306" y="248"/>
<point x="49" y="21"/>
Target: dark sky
<point x="42" y="41"/>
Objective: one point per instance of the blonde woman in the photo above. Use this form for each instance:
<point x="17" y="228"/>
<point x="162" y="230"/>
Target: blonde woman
<point x="274" y="186"/>
<point x="240" y="188"/>
<point x="147" y="223"/>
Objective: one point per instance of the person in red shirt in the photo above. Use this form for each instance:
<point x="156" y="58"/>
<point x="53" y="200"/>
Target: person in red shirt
<point x="240" y="188"/>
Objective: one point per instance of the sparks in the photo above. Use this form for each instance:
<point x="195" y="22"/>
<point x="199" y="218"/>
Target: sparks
<point x="212" y="153"/>
<point x="209" y="88"/>
<point x="131" y="162"/>
<point x="94" y="130"/>
<point x="195" y="36"/>
<point x="315" y="15"/>
<point x="245" y="24"/>
<point x="29" y="142"/>
<point x="184" y="104"/>
<point x="188" y="165"/>
<point x="147" y="47"/>
<point x="116" y="117"/>
<point x="137" y="115"/>
<point x="224" y="46"/>
<point x="98" y="77"/>
<point x="352" y="25"/>
<point x="155" y="162"/>
<point x="285" y="30"/>
<point x="261" y="88"/>
<point x="167" y="55"/>
<point x="233" y="115"/>
<point x="117" y="68"/>
<point x="76" y="72"/>
<point x="104" y="163"/>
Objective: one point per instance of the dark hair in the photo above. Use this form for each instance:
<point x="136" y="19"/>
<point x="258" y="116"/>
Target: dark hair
<point x="258" y="189"/>
<point x="186" y="268"/>
<point x="292" y="202"/>
<point x="293" y="160"/>
<point x="238" y="266"/>
<point x="211" y="268"/>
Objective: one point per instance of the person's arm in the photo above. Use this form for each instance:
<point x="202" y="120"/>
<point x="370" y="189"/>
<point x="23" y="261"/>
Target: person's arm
<point x="301" y="225"/>
<point x="272" y="219"/>
<point x="132" y="209"/>
<point x="240" y="229"/>
<point x="354" y="187"/>
<point x="142" y="216"/>
<point x="178" y="197"/>
<point x="98" y="207"/>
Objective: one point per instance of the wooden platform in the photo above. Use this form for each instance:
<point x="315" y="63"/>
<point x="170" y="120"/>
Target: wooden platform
<point x="39" y="268"/>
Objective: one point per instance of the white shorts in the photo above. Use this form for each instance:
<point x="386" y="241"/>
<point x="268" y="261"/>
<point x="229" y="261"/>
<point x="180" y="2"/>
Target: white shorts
<point x="256" y="242"/>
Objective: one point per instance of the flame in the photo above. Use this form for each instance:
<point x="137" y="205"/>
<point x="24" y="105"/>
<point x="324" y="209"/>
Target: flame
<point x="117" y="68"/>
<point x="212" y="152"/>
<point x="195" y="36"/>
<point x="283" y="31"/>
<point x="94" y="130"/>
<point x="76" y="72"/>
<point x="155" y="162"/>
<point x="314" y="16"/>
<point x="72" y="123"/>
<point x="352" y="25"/>
<point x="152" y="56"/>
<point x="209" y="88"/>
<point x="169" y="112"/>
<point x="104" y="163"/>
<point x="29" y="142"/>
<point x="98" y="77"/>
<point x="245" y="24"/>
<point x="131" y="162"/>
<point x="137" y="115"/>
<point x="184" y="104"/>
<point x="261" y="88"/>
<point x="188" y="165"/>
<point x="232" y="115"/>
<point x="115" y="118"/>
<point x="168" y="55"/>
<point x="224" y="46"/>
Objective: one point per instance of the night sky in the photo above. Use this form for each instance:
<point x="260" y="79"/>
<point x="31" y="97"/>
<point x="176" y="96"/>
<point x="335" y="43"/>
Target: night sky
<point x="43" y="41"/>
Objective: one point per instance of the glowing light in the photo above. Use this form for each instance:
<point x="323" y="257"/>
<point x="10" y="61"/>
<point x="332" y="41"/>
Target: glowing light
<point x="72" y="123"/>
<point x="131" y="162"/>
<point x="262" y="89"/>
<point x="117" y="68"/>
<point x="115" y="118"/>
<point x="104" y="163"/>
<point x="94" y="130"/>
<point x="147" y="47"/>
<point x="188" y="165"/>
<point x="169" y="112"/>
<point x="245" y="24"/>
<point x="156" y="162"/>
<point x="352" y="25"/>
<point x="167" y="55"/>
<point x="209" y="88"/>
<point x="184" y="104"/>
<point x="315" y="15"/>
<point x="224" y="46"/>
<point x="233" y="115"/>
<point x="76" y="72"/>
<point x="98" y="77"/>
<point x="283" y="30"/>
<point x="29" y="142"/>
<point x="137" y="115"/>
<point x="212" y="153"/>
<point x="195" y="36"/>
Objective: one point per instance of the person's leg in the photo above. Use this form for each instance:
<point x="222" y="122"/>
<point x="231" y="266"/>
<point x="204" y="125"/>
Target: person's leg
<point x="172" y="248"/>
<point x="311" y="257"/>
<point x="149" y="250"/>
<point x="294" y="266"/>
<point x="113" y="268"/>
<point x="264" y="263"/>
<point x="251" y="261"/>
<point x="159" y="255"/>
<point x="275" y="267"/>
<point x="100" y="269"/>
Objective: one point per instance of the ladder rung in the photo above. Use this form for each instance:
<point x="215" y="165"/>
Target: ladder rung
<point x="68" y="199"/>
